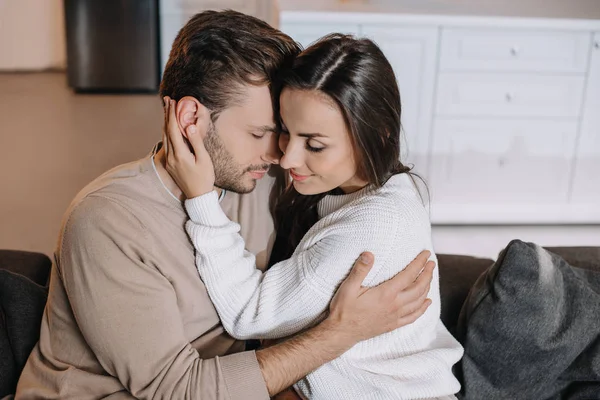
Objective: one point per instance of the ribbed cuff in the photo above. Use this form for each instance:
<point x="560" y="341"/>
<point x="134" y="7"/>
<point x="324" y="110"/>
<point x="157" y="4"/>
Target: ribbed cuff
<point x="243" y="377"/>
<point x="206" y="210"/>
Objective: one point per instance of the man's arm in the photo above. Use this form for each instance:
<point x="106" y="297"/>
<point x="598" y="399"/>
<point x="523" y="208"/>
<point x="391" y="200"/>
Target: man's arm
<point x="128" y="312"/>
<point x="356" y="313"/>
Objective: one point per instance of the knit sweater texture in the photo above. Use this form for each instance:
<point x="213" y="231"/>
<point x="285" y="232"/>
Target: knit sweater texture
<point x="412" y="362"/>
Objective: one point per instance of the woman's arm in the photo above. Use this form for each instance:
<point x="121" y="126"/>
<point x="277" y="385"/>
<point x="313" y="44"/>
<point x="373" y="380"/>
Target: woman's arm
<point x="292" y="294"/>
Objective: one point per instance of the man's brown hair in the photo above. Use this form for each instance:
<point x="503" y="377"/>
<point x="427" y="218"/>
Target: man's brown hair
<point x="218" y="51"/>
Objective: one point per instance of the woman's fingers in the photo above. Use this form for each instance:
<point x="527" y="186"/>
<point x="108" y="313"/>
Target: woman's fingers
<point x="197" y="142"/>
<point x="175" y="137"/>
<point x="165" y="124"/>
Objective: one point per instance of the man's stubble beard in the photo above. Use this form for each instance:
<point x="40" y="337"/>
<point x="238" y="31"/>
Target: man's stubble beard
<point x="229" y="175"/>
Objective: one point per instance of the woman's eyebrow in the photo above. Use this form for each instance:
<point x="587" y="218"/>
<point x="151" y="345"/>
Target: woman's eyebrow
<point x="311" y="135"/>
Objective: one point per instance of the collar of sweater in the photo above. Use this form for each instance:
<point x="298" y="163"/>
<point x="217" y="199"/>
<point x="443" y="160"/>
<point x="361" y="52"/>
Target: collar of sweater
<point x="332" y="203"/>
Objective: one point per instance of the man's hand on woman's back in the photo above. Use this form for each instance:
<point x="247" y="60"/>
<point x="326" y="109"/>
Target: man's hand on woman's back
<point x="361" y="313"/>
<point x="356" y="313"/>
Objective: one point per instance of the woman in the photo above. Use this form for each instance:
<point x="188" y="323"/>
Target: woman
<point x="340" y="124"/>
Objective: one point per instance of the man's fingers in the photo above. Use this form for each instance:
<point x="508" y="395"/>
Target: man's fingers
<point x="360" y="270"/>
<point x="411" y="301"/>
<point x="421" y="286"/>
<point x="408" y="275"/>
<point x="424" y="280"/>
<point x="416" y="266"/>
<point x="413" y="316"/>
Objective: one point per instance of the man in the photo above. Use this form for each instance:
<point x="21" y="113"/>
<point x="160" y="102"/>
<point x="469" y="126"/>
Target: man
<point x="127" y="315"/>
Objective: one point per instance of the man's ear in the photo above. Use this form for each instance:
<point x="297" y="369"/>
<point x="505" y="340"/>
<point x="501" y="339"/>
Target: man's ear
<point x="191" y="112"/>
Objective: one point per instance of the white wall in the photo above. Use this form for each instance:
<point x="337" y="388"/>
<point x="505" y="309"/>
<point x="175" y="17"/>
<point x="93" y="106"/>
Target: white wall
<point x="32" y="35"/>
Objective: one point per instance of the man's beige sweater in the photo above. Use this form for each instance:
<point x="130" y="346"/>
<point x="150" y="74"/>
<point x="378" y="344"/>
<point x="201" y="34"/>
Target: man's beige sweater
<point x="127" y="314"/>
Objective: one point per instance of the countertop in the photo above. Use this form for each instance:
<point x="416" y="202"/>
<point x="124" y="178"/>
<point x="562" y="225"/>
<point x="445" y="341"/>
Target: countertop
<point x="568" y="9"/>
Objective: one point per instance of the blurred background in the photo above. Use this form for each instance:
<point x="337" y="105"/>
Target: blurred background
<point x="501" y="105"/>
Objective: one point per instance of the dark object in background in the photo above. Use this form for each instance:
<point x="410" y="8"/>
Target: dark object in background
<point x="32" y="265"/>
<point x="112" y="45"/>
<point x="23" y="276"/>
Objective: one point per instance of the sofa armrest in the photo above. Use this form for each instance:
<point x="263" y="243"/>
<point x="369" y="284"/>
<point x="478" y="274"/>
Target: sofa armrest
<point x="458" y="273"/>
<point x="35" y="266"/>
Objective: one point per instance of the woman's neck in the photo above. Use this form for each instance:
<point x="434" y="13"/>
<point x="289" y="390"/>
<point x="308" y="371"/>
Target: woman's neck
<point x="353" y="185"/>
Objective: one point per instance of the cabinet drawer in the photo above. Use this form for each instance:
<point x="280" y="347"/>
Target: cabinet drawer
<point x="485" y="95"/>
<point x="502" y="161"/>
<point x="514" y="50"/>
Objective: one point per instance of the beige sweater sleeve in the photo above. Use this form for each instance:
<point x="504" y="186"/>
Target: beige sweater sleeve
<point x="127" y="312"/>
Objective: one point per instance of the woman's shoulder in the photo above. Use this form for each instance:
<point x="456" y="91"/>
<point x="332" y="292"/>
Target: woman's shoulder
<point x="398" y="196"/>
<point x="396" y="203"/>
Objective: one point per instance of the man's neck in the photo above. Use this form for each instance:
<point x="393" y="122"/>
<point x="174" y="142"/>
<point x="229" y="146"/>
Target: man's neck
<point x="160" y="162"/>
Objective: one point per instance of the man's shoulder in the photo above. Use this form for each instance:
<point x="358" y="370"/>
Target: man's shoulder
<point x="117" y="191"/>
<point x="125" y="182"/>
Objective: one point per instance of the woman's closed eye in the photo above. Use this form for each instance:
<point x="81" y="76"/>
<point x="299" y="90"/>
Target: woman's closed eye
<point x="311" y="145"/>
<point x="314" y="146"/>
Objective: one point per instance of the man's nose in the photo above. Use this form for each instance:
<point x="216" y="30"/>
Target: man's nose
<point x="273" y="154"/>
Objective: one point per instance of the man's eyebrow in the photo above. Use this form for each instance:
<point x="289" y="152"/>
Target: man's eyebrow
<point x="264" y="128"/>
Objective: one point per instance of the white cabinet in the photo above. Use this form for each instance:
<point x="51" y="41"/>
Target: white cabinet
<point x="477" y="49"/>
<point x="308" y="32"/>
<point x="502" y="162"/>
<point x="412" y="53"/>
<point x="503" y="113"/>
<point x="474" y="94"/>
<point x="507" y="117"/>
<point x="586" y="185"/>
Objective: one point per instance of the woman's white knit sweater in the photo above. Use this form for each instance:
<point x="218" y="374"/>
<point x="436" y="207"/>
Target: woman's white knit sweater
<point x="413" y="362"/>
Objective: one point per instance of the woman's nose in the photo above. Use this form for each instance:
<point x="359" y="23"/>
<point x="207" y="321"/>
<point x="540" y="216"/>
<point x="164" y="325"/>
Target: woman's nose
<point x="292" y="157"/>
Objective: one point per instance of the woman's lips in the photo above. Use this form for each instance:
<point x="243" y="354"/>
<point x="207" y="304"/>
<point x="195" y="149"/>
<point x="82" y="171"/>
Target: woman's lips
<point x="297" y="177"/>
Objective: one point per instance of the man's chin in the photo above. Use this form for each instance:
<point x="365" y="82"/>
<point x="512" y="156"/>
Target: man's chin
<point x="249" y="186"/>
<point x="242" y="187"/>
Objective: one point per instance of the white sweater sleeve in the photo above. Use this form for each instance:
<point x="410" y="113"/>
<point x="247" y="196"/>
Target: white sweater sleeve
<point x="290" y="296"/>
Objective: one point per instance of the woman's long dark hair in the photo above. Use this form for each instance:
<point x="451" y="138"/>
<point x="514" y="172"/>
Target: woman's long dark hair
<point x="356" y="75"/>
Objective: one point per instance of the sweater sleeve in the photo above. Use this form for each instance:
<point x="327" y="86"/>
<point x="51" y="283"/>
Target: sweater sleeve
<point x="128" y="314"/>
<point x="292" y="294"/>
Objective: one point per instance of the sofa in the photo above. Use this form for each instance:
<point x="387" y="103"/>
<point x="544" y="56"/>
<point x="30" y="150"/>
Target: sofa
<point x="23" y="292"/>
<point x="463" y="280"/>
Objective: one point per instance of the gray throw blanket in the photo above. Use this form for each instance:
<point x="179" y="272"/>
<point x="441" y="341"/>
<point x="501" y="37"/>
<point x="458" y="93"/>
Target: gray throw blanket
<point x="531" y="329"/>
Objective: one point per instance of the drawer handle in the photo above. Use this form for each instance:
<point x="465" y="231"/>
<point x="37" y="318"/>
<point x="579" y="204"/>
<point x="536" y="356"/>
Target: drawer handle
<point x="597" y="44"/>
<point x="509" y="97"/>
<point x="514" y="51"/>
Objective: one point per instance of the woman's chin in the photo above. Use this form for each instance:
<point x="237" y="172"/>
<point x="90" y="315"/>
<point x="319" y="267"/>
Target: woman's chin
<point x="306" y="189"/>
